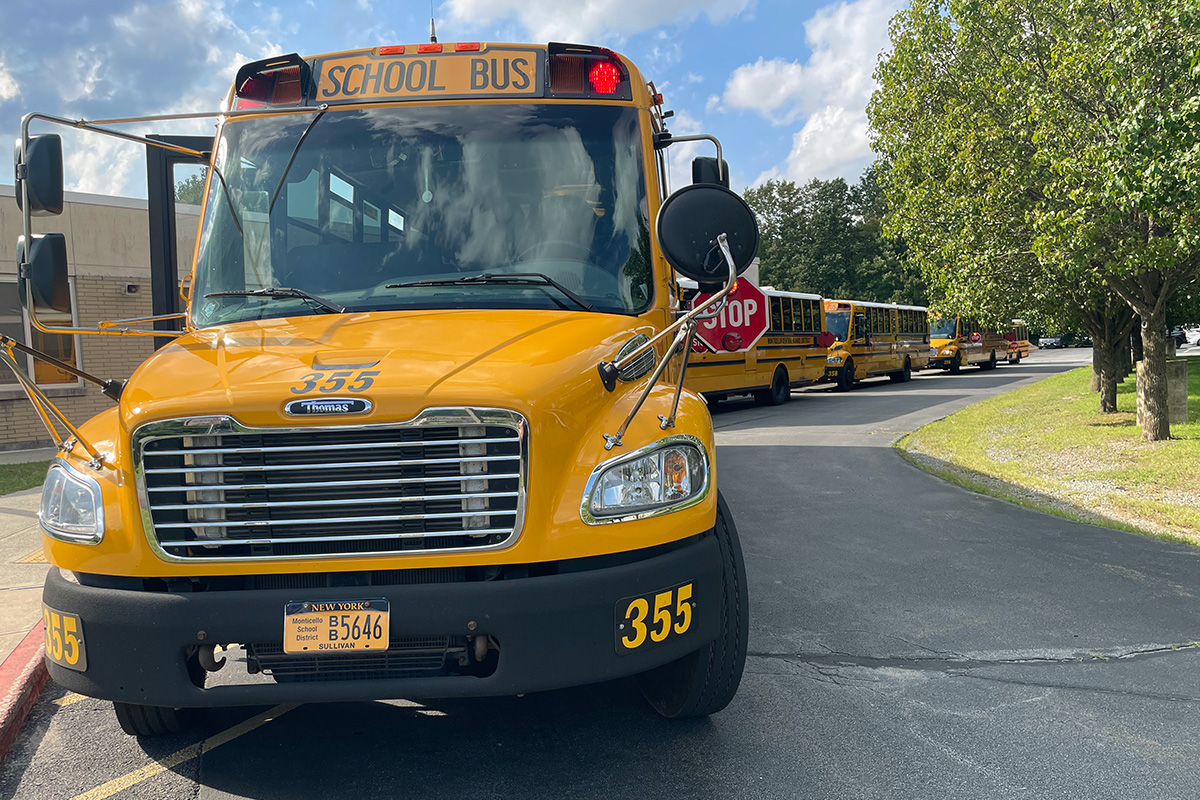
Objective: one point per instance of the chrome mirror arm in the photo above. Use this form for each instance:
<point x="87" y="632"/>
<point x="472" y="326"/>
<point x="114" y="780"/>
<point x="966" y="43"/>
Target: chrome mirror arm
<point x="684" y="329"/>
<point x="608" y="369"/>
<point x="46" y="410"/>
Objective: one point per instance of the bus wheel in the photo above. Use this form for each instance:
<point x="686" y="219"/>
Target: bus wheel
<point x="780" y="391"/>
<point x="956" y="364"/>
<point x="138" y="720"/>
<point x="990" y="363"/>
<point x="845" y="381"/>
<point x="1015" y="358"/>
<point x="903" y="375"/>
<point x="703" y="682"/>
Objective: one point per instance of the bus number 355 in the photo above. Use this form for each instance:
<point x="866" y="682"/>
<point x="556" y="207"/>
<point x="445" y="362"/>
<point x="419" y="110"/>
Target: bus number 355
<point x="654" y="618"/>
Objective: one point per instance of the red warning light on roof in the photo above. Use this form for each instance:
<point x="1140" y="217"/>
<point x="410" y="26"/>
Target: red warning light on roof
<point x="429" y="48"/>
<point x="392" y="50"/>
<point x="605" y="77"/>
<point x="466" y="47"/>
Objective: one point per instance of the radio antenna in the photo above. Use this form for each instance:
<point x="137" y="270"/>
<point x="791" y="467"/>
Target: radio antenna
<point x="432" y="29"/>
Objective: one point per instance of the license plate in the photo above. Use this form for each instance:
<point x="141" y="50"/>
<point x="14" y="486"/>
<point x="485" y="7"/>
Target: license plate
<point x="334" y="626"/>
<point x="64" y="639"/>
<point x="650" y="619"/>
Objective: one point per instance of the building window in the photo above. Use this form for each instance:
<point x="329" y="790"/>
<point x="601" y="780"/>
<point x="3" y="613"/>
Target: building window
<point x="14" y="323"/>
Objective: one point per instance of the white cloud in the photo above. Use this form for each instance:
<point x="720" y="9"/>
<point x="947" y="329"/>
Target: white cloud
<point x="679" y="156"/>
<point x="829" y="91"/>
<point x="590" y="20"/>
<point x="141" y="58"/>
<point x="9" y="88"/>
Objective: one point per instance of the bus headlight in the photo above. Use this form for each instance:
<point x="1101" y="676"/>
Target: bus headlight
<point x="72" y="509"/>
<point x="834" y="359"/>
<point x="665" y="476"/>
<point x="946" y="351"/>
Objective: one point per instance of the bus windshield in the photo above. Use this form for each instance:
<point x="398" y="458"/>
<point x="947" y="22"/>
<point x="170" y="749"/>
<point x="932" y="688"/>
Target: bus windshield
<point x="838" y="323"/>
<point x="943" y="328"/>
<point x="345" y="205"/>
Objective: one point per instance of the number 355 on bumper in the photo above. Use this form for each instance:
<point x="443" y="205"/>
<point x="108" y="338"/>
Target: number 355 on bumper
<point x="650" y="619"/>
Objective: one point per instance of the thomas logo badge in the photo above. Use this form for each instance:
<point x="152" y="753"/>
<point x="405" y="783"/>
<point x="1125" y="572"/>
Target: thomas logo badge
<point x="327" y="405"/>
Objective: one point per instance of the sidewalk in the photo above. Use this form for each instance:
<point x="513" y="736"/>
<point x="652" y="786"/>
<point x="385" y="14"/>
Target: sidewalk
<point x="22" y="572"/>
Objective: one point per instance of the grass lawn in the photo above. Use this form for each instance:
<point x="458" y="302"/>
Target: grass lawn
<point x="17" y="477"/>
<point x="1048" y="447"/>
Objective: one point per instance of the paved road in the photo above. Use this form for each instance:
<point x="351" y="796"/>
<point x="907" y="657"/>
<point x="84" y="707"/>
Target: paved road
<point x="909" y="640"/>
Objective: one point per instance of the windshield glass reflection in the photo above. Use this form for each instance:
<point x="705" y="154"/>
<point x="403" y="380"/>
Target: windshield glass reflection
<point x="371" y="197"/>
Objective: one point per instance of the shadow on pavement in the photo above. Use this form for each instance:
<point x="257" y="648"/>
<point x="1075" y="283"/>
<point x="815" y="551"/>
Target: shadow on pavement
<point x="593" y="741"/>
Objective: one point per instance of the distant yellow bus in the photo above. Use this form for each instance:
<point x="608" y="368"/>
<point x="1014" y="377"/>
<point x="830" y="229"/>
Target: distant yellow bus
<point x="787" y="356"/>
<point x="1018" y="345"/>
<point x="956" y="342"/>
<point x="872" y="339"/>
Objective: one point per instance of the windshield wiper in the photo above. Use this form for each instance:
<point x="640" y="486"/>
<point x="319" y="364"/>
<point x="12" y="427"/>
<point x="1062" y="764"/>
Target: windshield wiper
<point x="505" y="279"/>
<point x="285" y="291"/>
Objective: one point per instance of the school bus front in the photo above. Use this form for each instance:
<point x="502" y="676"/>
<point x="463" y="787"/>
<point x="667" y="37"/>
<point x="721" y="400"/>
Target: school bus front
<point x="383" y="432"/>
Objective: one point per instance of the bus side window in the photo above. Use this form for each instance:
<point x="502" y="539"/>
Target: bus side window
<point x="786" y="302"/>
<point x="776" y="314"/>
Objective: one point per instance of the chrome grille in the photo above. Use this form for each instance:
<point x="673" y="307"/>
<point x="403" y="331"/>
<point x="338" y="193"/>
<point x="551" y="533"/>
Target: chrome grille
<point x="212" y="489"/>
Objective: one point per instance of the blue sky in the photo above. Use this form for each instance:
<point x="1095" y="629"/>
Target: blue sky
<point x="783" y="83"/>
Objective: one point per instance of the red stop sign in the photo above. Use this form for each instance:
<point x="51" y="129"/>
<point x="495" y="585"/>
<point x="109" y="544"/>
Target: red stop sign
<point x="739" y="323"/>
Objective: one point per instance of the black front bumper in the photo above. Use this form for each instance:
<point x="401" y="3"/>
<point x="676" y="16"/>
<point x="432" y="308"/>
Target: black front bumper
<point x="553" y="631"/>
<point x="940" y="363"/>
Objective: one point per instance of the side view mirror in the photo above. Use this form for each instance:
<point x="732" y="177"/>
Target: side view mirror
<point x="689" y="222"/>
<point x="43" y="174"/>
<point x="706" y="169"/>
<point x="46" y="261"/>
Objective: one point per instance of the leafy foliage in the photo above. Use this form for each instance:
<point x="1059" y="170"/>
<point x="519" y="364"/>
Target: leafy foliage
<point x="190" y="190"/>
<point x="827" y="237"/>
<point x="1045" y="154"/>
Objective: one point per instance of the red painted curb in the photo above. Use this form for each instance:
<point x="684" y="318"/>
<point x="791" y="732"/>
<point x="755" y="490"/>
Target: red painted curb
<point x="22" y="677"/>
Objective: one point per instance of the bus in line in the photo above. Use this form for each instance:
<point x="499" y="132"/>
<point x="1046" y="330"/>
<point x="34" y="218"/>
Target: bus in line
<point x="956" y="342"/>
<point x="421" y="429"/>
<point x="874" y="339"/>
<point x="1018" y="345"/>
<point x="788" y="356"/>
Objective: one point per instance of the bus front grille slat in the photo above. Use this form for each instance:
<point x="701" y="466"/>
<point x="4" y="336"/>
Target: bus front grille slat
<point x="453" y="479"/>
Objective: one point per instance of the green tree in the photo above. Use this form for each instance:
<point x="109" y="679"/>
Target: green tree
<point x="1055" y="141"/>
<point x="190" y="190"/>
<point x="826" y="237"/>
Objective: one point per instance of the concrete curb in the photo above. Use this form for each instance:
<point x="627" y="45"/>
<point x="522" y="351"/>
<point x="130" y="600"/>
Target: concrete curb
<point x="23" y="675"/>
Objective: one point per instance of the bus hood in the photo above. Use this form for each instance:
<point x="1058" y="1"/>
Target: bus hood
<point x="402" y="362"/>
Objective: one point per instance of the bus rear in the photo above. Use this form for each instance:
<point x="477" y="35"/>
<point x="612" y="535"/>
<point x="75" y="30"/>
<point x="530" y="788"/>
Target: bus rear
<point x="423" y="432"/>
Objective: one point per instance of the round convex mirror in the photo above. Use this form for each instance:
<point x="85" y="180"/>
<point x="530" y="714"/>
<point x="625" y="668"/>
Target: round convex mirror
<point x="689" y="223"/>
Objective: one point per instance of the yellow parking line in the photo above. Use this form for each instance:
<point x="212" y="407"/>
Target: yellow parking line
<point x="36" y="557"/>
<point x="186" y="754"/>
<point x="70" y="698"/>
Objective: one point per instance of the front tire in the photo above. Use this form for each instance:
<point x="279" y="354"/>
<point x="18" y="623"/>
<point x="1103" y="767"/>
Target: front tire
<point x="151" y="721"/>
<point x="703" y="682"/>
<point x="990" y="363"/>
<point x="780" y="391"/>
<point x="1015" y="358"/>
<point x="845" y="381"/>
<point x="956" y="364"/>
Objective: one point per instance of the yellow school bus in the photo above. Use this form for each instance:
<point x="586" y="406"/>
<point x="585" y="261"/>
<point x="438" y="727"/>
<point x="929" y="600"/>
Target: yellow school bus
<point x="1018" y="344"/>
<point x="422" y="429"/>
<point x="873" y="339"/>
<point x="789" y="355"/>
<point x="956" y="342"/>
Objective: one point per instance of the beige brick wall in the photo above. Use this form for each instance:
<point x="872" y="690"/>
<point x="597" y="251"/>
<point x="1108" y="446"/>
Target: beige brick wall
<point x="108" y="251"/>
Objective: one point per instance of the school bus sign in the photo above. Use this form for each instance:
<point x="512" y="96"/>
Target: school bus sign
<point x="409" y="74"/>
<point x="739" y="324"/>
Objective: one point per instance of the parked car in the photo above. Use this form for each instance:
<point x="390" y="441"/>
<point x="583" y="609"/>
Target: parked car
<point x="1051" y="342"/>
<point x="1179" y="336"/>
<point x="1193" y="335"/>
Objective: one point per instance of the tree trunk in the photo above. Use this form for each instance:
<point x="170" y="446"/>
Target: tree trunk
<point x="1156" y="424"/>
<point x="1097" y="364"/>
<point x="1124" y="359"/>
<point x="1136" y="338"/>
<point x="1108" y="375"/>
